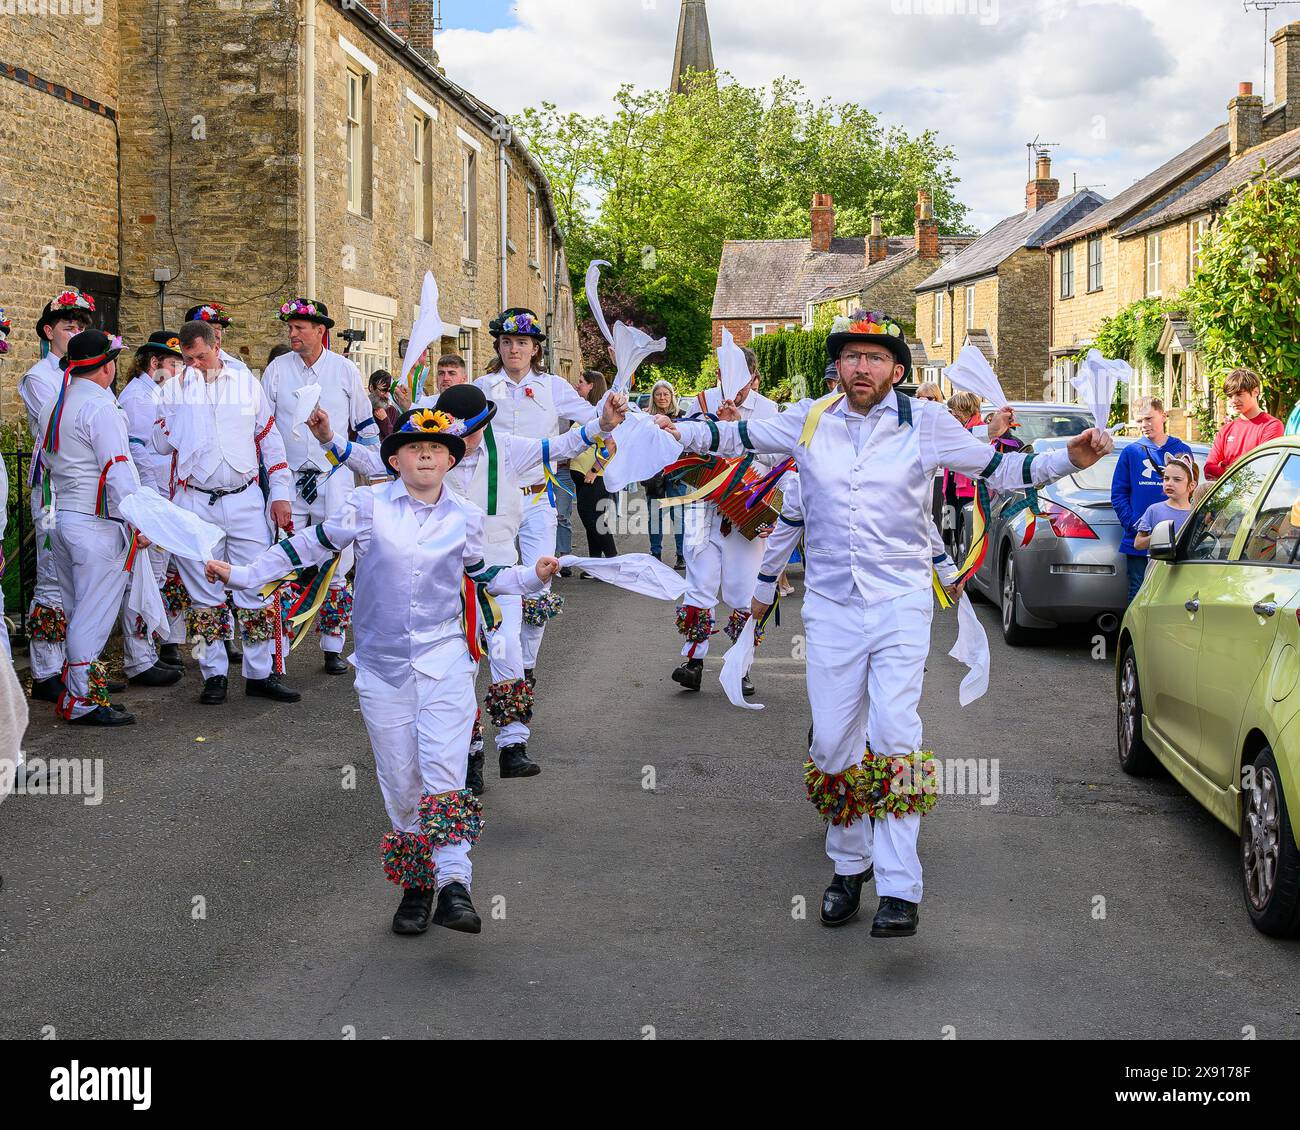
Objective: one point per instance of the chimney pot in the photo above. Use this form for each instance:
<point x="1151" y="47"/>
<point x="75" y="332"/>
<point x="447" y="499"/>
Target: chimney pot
<point x="1245" y="88"/>
<point x="926" y="237"/>
<point x="823" y="221"/>
<point x="1044" y="188"/>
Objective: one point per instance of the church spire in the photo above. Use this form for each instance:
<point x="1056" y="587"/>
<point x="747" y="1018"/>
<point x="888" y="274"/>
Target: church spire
<point x="694" y="48"/>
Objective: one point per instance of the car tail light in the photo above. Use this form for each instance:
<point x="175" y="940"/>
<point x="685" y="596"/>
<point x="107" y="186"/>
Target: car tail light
<point x="1066" y="523"/>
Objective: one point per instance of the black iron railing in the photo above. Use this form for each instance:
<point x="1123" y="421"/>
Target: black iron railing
<point x="19" y="581"/>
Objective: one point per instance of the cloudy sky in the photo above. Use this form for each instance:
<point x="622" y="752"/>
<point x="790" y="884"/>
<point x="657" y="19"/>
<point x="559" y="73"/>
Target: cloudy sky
<point x="1121" y="85"/>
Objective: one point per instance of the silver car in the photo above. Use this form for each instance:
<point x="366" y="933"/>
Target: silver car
<point x="1072" y="572"/>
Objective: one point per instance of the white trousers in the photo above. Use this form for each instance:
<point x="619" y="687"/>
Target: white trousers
<point x="331" y="494"/>
<point x="506" y="661"/>
<point x="140" y="654"/>
<point x="536" y="539"/>
<point x="243" y="518"/>
<point x="718" y="565"/>
<point x="865" y="666"/>
<point x="89" y="556"/>
<point x="420" y="733"/>
<point x="46" y="657"/>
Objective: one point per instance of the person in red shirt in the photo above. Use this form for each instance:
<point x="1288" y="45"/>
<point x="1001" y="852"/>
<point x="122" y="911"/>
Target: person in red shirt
<point x="1247" y="430"/>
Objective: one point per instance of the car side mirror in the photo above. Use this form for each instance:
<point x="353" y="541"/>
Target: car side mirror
<point x="1162" y="541"/>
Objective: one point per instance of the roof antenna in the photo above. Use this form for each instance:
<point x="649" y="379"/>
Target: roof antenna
<point x="1038" y="148"/>
<point x="1264" y="6"/>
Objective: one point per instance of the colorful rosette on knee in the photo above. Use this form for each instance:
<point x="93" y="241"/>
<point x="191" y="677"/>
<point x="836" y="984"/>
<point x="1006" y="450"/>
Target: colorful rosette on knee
<point x="207" y="623"/>
<point x="510" y="700"/>
<point x="537" y="610"/>
<point x="451" y="818"/>
<point x="696" y="624"/>
<point x="841" y="798"/>
<point x="901" y="786"/>
<point x="408" y="860"/>
<point x="335" y="615"/>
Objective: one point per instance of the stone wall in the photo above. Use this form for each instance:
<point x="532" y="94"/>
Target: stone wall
<point x="1023" y="324"/>
<point x="58" y="179"/>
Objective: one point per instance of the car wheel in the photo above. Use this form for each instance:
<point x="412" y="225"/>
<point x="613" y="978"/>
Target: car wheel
<point x="1012" y="632"/>
<point x="1134" y="757"/>
<point x="1270" y="860"/>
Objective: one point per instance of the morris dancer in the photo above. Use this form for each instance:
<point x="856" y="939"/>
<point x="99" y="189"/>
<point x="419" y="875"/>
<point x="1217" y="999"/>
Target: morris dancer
<point x="65" y="315"/>
<point x="419" y="550"/>
<point x="488" y="475"/>
<point x="87" y="458"/>
<point x="219" y="425"/>
<point x="531" y="403"/>
<point x="318" y="491"/>
<point x="219" y="319"/>
<point x="719" y="560"/>
<point x="866" y="458"/>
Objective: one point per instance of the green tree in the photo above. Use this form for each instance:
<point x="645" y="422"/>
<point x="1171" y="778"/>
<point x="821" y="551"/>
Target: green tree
<point x="656" y="186"/>
<point x="1244" y="302"/>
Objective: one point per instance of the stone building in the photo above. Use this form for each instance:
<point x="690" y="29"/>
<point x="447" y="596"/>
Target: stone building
<point x="1144" y="242"/>
<point x="991" y="294"/>
<point x="766" y="285"/>
<point x="268" y="148"/>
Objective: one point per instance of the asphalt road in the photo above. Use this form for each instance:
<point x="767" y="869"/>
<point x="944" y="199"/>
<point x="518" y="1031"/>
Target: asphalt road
<point x="616" y="910"/>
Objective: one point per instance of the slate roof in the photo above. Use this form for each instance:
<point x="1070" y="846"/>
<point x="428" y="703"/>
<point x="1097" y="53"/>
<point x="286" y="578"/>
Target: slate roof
<point x="1024" y="229"/>
<point x="1282" y="156"/>
<point x="775" y="278"/>
<point x="981" y="340"/>
<point x="865" y="279"/>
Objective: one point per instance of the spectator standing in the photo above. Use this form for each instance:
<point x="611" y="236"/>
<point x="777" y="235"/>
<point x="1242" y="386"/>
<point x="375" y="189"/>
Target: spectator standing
<point x="384" y="411"/>
<point x="1178" y="480"/>
<point x="663" y="402"/>
<point x="588" y="480"/>
<point x="1247" y="430"/>
<point x="1138" y="482"/>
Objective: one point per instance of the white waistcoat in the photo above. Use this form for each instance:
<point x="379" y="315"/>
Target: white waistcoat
<point x="407" y="590"/>
<point x="499" y="529"/>
<point x="227" y="426"/>
<point x="303" y="451"/>
<point x="534" y="416"/>
<point x="874" y="504"/>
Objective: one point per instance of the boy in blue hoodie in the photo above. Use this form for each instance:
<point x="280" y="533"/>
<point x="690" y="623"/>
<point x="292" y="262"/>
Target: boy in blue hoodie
<point x="1138" y="481"/>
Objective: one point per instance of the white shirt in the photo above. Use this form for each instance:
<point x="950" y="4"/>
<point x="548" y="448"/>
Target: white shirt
<point x="342" y="395"/>
<point x="93" y="446"/>
<point x="867" y="511"/>
<point x="412" y="558"/>
<point x="39" y="385"/>
<point x="534" y="406"/>
<point x="139" y="402"/>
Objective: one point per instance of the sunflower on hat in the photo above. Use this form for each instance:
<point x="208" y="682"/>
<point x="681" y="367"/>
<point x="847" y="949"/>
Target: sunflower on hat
<point x="426" y="425"/>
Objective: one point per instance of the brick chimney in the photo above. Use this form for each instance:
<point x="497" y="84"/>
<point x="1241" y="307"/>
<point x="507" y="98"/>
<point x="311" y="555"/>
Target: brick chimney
<point x="1286" y="71"/>
<point x="1245" y="120"/>
<point x="1044" y="188"/>
<point x="927" y="227"/>
<point x="878" y="243"/>
<point x="823" y="221"/>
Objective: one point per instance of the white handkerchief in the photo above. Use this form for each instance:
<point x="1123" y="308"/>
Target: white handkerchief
<point x="972" y="372"/>
<point x="308" y="398"/>
<point x="636" y="572"/>
<point x="143" y="597"/>
<point x="733" y="369"/>
<point x="1096" y="381"/>
<point x="736" y="664"/>
<point x="641" y="449"/>
<point x="428" y="327"/>
<point x="972" y="650"/>
<point x="169" y="527"/>
<point x="631" y="345"/>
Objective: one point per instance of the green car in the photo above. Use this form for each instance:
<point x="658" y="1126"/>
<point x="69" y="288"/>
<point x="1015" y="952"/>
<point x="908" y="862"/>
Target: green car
<point x="1207" y="675"/>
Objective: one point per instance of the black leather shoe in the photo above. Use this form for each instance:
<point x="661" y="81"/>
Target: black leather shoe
<point x="690" y="674"/>
<point x="335" y="664"/>
<point x="455" y="911"/>
<point x="529" y="677"/>
<point x="680" y="563"/>
<point x="271" y="688"/>
<point x="515" y="762"/>
<point x="474" y="773"/>
<point x="170" y="654"/>
<point x="214" y="690"/>
<point x="895" y="918"/>
<point x="412" y="915"/>
<point x="843" y="898"/>
<point x="104" y="716"/>
<point x="47" y="690"/>
<point x="159" y="675"/>
<point x="746" y="687"/>
<point x="565" y="571"/>
<point x="233" y="651"/>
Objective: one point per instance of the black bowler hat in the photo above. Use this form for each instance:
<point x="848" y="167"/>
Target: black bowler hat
<point x="423" y="425"/>
<point x="163" y="342"/>
<point x="518" y="321"/>
<point x="468" y="404"/>
<point x="68" y="303"/>
<point x="212" y="312"/>
<point x="874" y="327"/>
<point x="305" y="310"/>
<point x="88" y="351"/>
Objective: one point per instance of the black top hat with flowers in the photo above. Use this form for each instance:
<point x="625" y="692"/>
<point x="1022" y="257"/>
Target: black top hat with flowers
<point x="305" y="310"/>
<point x="518" y="321"/>
<point x="164" y="343"/>
<point x="467" y="403"/>
<point x="89" y="350"/>
<point x="212" y="312"/>
<point x="872" y="326"/>
<point x="428" y="425"/>
<point x="68" y="303"/>
<point x="5" y="327"/>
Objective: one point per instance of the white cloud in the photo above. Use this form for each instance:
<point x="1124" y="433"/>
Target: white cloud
<point x="1121" y="85"/>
